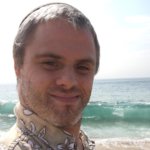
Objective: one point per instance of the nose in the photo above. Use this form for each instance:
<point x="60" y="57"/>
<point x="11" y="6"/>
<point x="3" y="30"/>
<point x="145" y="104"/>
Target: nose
<point x="67" y="79"/>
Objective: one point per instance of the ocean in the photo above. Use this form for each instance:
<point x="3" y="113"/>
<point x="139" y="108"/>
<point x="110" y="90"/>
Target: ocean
<point x="118" y="108"/>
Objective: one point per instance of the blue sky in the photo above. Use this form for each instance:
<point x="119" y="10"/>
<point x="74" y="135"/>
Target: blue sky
<point x="122" y="26"/>
<point x="126" y="39"/>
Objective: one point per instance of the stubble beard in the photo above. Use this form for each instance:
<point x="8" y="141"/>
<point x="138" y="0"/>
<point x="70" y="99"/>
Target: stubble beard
<point x="46" y="109"/>
<point x="68" y="117"/>
<point x="63" y="117"/>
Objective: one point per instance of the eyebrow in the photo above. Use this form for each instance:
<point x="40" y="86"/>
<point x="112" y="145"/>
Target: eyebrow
<point x="48" y="55"/>
<point x="55" y="56"/>
<point x="87" y="60"/>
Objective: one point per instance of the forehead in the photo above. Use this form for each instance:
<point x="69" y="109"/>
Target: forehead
<point x="60" y="36"/>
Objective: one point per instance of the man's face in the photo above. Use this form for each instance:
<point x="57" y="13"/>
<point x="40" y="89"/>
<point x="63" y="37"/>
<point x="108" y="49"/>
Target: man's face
<point x="56" y="78"/>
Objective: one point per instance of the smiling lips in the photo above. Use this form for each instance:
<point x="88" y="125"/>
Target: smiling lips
<point x="65" y="98"/>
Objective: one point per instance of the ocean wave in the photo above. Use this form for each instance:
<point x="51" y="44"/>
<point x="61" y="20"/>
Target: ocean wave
<point x="119" y="111"/>
<point x="6" y="108"/>
<point x="102" y="111"/>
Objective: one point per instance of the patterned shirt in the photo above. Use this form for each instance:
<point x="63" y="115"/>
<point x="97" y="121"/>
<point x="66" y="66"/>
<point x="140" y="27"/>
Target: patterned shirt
<point x="35" y="134"/>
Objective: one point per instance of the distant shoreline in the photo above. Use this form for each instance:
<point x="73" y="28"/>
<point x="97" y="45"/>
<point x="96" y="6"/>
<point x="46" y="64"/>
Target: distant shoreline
<point x="97" y="79"/>
<point x="130" y="78"/>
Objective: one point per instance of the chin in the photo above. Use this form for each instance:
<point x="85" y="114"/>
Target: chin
<point x="66" y="122"/>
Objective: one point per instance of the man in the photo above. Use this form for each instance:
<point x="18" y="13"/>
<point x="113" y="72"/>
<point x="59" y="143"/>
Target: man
<point x="56" y="55"/>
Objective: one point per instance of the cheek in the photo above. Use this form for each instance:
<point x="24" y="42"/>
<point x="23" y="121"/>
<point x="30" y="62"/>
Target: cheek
<point x="86" y="85"/>
<point x="39" y="80"/>
<point x="33" y="96"/>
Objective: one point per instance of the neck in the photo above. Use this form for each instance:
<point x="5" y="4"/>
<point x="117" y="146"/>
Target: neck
<point x="73" y="130"/>
<point x="51" y="135"/>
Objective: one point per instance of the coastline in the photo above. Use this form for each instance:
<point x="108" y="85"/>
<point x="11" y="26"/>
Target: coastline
<point x="122" y="144"/>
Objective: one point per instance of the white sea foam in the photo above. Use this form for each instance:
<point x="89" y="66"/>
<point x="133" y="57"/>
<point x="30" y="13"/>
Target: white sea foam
<point x="123" y="144"/>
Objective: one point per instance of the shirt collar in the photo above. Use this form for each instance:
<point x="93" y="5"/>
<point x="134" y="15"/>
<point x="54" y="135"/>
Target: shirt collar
<point x="31" y="124"/>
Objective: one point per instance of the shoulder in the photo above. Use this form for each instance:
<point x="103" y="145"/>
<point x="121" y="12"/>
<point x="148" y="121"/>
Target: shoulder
<point x="9" y="137"/>
<point x="4" y="142"/>
<point x="14" y="139"/>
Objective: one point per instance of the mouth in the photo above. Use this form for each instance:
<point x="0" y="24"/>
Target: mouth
<point x="65" y="99"/>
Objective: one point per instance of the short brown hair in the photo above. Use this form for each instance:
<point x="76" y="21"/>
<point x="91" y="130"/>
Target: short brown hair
<point x="46" y="13"/>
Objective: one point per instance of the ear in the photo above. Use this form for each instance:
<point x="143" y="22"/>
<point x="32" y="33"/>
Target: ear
<point x="17" y="70"/>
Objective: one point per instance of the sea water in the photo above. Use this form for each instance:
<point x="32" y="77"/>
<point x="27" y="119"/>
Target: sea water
<point x="118" y="108"/>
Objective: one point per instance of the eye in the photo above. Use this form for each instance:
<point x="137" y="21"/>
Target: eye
<point x="51" y="65"/>
<point x="83" y="69"/>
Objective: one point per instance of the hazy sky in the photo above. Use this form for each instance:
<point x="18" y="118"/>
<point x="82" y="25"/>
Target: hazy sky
<point x="122" y="26"/>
